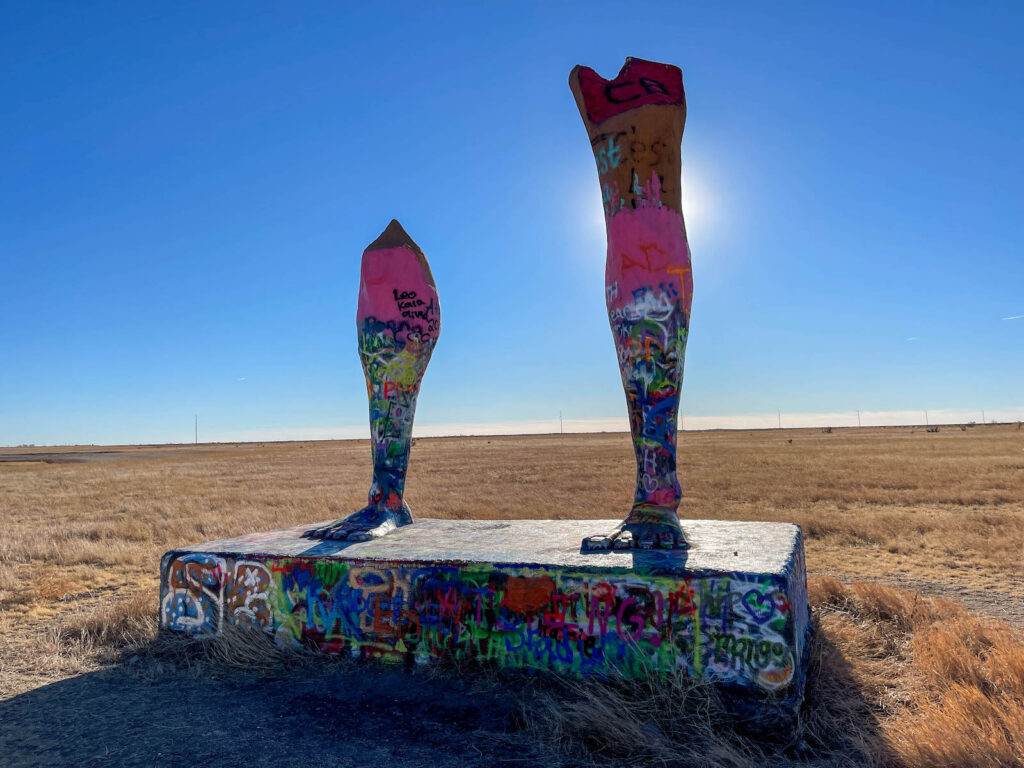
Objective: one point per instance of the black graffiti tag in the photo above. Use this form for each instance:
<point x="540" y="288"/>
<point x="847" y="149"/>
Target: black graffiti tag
<point x="649" y="85"/>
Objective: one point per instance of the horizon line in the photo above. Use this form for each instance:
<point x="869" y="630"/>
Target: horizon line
<point x="743" y="422"/>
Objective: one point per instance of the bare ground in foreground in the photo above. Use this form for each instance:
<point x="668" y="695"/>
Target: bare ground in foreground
<point x="82" y="530"/>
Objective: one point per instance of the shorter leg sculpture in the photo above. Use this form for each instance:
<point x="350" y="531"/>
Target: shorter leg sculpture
<point x="398" y="321"/>
<point x="635" y="125"/>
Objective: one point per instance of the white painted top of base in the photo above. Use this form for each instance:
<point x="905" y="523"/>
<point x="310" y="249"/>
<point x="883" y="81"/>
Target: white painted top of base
<point x="714" y="545"/>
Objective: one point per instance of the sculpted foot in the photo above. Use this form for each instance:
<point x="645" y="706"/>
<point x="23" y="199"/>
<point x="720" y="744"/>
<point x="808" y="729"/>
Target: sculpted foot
<point x="665" y="535"/>
<point x="368" y="523"/>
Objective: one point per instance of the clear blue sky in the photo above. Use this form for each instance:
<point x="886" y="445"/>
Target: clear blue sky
<point x="187" y="187"/>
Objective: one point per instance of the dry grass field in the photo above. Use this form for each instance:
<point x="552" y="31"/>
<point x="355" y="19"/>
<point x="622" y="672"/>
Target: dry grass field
<point x="928" y="523"/>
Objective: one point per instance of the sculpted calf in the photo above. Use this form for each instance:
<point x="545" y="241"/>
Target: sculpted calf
<point x="398" y="323"/>
<point x="635" y="124"/>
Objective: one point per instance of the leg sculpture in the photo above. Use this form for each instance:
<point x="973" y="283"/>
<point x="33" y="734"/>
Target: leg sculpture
<point x="398" y="322"/>
<point x="635" y="124"/>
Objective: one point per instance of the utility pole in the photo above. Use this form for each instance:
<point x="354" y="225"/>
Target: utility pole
<point x="196" y="417"/>
<point x="982" y="415"/>
<point x="682" y="420"/>
<point x="561" y="430"/>
<point x="858" y="417"/>
<point x="926" y="419"/>
<point x="780" y="419"/>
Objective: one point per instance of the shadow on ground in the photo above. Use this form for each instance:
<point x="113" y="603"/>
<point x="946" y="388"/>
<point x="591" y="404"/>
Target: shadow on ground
<point x="841" y="727"/>
<point x="147" y="711"/>
<point x="369" y="717"/>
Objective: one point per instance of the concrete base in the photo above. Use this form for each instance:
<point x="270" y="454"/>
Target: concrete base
<point x="732" y="609"/>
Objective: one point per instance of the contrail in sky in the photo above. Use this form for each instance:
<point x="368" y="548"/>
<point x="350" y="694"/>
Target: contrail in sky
<point x="1014" y="317"/>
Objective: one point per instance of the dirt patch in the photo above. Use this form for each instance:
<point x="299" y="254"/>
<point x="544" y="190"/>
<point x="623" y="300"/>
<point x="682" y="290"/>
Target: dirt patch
<point x="75" y="457"/>
<point x="985" y="602"/>
<point x="127" y="453"/>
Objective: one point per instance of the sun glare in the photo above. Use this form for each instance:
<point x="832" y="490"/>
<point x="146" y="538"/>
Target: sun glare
<point x="700" y="206"/>
<point x="701" y="213"/>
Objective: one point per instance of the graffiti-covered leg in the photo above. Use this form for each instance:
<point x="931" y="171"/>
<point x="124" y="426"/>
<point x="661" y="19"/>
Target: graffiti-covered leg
<point x="635" y="124"/>
<point x="398" y="322"/>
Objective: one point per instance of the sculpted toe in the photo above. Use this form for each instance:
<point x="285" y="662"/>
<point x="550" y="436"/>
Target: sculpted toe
<point x="596" y="544"/>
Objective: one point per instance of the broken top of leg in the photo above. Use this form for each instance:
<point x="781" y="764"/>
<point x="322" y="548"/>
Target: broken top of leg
<point x="630" y="147"/>
<point x="397" y="286"/>
<point x="395" y="236"/>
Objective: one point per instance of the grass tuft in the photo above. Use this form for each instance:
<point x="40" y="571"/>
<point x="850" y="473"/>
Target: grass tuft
<point x="110" y="629"/>
<point x="235" y="649"/>
<point x="662" y="721"/>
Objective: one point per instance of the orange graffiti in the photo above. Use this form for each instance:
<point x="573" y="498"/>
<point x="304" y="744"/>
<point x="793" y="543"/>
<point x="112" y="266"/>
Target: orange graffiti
<point x="524" y="594"/>
<point x="628" y="262"/>
<point x="682" y="272"/>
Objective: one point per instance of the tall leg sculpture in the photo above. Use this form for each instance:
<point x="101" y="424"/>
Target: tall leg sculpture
<point x="635" y="124"/>
<point x="398" y="322"/>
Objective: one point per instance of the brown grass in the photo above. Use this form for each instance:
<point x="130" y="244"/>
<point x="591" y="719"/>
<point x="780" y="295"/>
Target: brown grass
<point x="893" y="500"/>
<point x="121" y="625"/>
<point x="896" y="680"/>
<point x="941" y="512"/>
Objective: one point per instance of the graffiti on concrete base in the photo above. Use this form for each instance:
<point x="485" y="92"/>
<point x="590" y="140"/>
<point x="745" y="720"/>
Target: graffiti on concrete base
<point x="202" y="591"/>
<point x="736" y="628"/>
